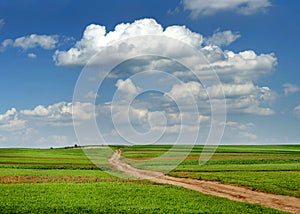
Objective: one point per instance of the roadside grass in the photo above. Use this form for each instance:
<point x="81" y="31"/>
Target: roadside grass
<point x="115" y="197"/>
<point x="280" y="182"/>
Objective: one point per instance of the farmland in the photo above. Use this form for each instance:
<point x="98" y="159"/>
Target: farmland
<point x="69" y="181"/>
<point x="272" y="169"/>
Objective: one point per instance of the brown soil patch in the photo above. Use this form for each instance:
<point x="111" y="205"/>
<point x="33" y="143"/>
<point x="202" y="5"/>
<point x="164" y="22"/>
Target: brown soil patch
<point x="158" y="150"/>
<point x="213" y="157"/>
<point x="58" y="179"/>
<point x="45" y="158"/>
<point x="39" y="163"/>
<point x="232" y="192"/>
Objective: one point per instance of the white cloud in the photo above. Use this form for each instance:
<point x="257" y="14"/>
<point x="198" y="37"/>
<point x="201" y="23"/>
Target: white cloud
<point x="59" y="113"/>
<point x="43" y="126"/>
<point x="238" y="67"/>
<point x="185" y="91"/>
<point x="222" y="38"/>
<point x="237" y="71"/>
<point x="241" y="67"/>
<point x="32" y="41"/>
<point x="239" y="131"/>
<point x="249" y="135"/>
<point x="127" y="87"/>
<point x="232" y="90"/>
<point x="289" y="88"/>
<point x="91" y="95"/>
<point x="239" y="126"/>
<point x="6" y="43"/>
<point x="253" y="103"/>
<point x="9" y="121"/>
<point x="240" y="98"/>
<point x="200" y="8"/>
<point x="31" y="55"/>
<point x="297" y="111"/>
<point x="95" y="38"/>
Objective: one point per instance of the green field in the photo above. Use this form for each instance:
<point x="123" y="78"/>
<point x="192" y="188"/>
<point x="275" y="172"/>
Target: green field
<point x="67" y="181"/>
<point x="273" y="169"/>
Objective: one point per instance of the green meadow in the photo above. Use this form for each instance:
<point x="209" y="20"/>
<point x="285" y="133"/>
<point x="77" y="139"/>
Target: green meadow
<point x="80" y="180"/>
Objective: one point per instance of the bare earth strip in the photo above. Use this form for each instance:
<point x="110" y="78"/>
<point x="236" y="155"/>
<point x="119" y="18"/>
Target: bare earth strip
<point x="213" y="157"/>
<point x="39" y="163"/>
<point x="235" y="193"/>
<point x="76" y="179"/>
<point x="37" y="157"/>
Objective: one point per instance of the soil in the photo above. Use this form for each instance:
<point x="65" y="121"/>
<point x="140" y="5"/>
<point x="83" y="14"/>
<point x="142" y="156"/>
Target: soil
<point x="213" y="157"/>
<point x="8" y="179"/>
<point x="36" y="157"/>
<point x="236" y="193"/>
<point x="38" y="163"/>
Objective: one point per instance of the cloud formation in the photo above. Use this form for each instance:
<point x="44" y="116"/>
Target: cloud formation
<point x="46" y="42"/>
<point x="222" y="38"/>
<point x="95" y="38"/>
<point x="289" y="88"/>
<point x="10" y="121"/>
<point x="43" y="126"/>
<point x="237" y="71"/>
<point x="32" y="55"/>
<point x="200" y="8"/>
<point x="297" y="111"/>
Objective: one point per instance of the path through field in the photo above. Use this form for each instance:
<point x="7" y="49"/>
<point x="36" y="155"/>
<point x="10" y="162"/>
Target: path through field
<point x="232" y="192"/>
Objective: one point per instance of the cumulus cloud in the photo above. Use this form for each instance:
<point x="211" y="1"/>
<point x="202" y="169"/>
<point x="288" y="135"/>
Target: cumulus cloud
<point x="32" y="55"/>
<point x="239" y="126"/>
<point x="95" y="38"/>
<point x="240" y="98"/>
<point x="60" y="113"/>
<point x="238" y="67"/>
<point x="185" y="90"/>
<point x="237" y="72"/>
<point x="289" y="88"/>
<point x="253" y="103"/>
<point x="222" y="38"/>
<point x="127" y="87"/>
<point x="91" y="95"/>
<point x="297" y="111"/>
<point x="249" y="135"/>
<point x="32" y="41"/>
<point x="6" y="43"/>
<point x="233" y="90"/>
<point x="200" y="8"/>
<point x="44" y="126"/>
<point x="10" y="121"/>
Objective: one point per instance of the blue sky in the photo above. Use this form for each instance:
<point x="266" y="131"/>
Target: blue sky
<point x="252" y="45"/>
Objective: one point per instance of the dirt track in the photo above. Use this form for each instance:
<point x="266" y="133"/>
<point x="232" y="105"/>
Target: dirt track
<point x="236" y="193"/>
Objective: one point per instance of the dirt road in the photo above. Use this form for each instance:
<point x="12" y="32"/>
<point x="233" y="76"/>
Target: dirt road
<point x="235" y="193"/>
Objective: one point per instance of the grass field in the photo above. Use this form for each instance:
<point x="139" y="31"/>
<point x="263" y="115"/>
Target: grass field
<point x="273" y="169"/>
<point x="67" y="181"/>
